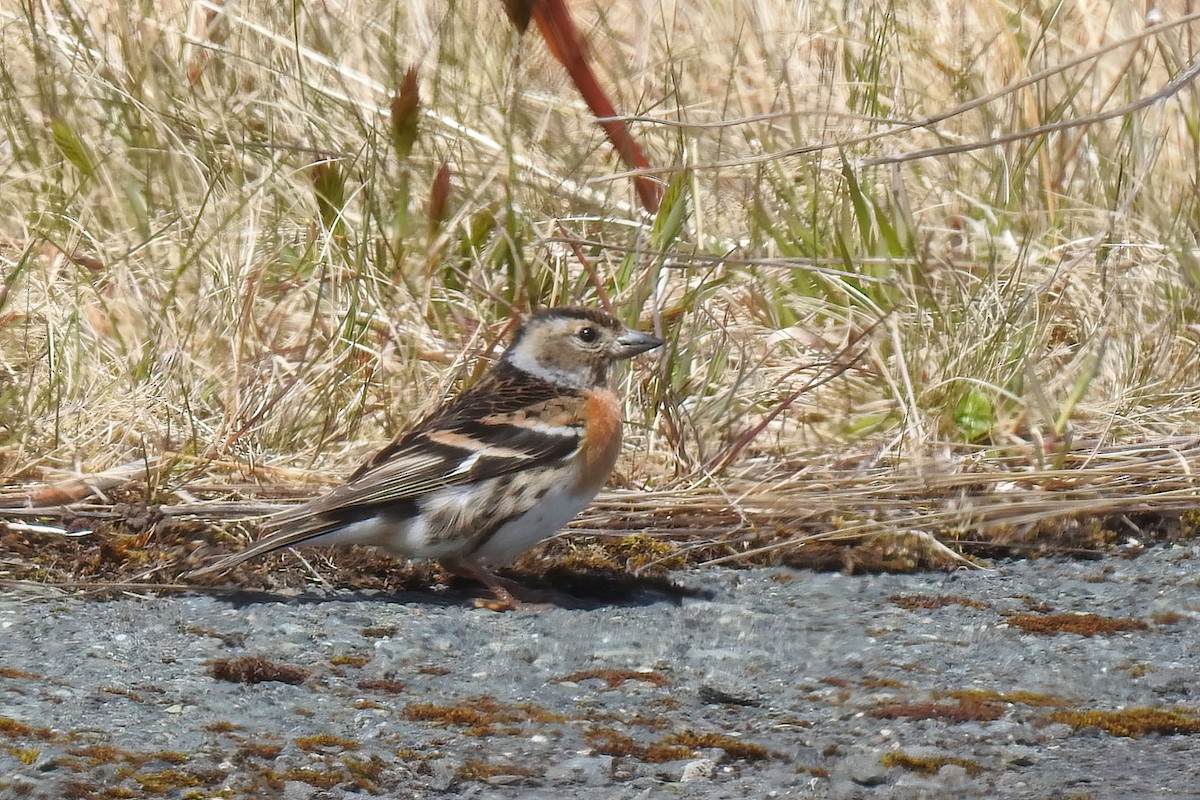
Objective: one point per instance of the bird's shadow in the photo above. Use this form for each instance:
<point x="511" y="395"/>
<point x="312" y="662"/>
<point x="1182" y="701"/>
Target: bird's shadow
<point x="556" y="588"/>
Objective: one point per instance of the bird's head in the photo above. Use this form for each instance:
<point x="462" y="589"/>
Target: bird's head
<point x="574" y="346"/>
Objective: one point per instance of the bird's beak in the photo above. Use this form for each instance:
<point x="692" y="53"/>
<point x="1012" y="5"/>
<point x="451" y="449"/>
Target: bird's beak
<point x="631" y="343"/>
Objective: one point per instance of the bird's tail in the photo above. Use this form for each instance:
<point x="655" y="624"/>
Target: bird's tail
<point x="289" y="528"/>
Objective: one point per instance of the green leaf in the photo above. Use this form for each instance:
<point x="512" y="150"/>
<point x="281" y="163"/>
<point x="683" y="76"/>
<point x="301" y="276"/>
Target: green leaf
<point x="973" y="415"/>
<point x="860" y="203"/>
<point x="668" y="222"/>
<point x="71" y="146"/>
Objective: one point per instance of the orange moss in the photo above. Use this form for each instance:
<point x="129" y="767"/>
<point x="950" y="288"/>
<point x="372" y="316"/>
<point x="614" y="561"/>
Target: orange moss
<point x="324" y="742"/>
<point x="609" y="742"/>
<point x="105" y="754"/>
<point x="268" y="751"/>
<point x="736" y="748"/>
<point x="386" y="685"/>
<point x="962" y="711"/>
<point x="365" y="771"/>
<point x="15" y="728"/>
<point x="13" y="672"/>
<point x="1082" y="624"/>
<point x="479" y="714"/>
<point x="1138" y="669"/>
<point x="911" y="602"/>
<point x="474" y="770"/>
<point x="255" y="669"/>
<point x="221" y="726"/>
<point x="162" y="781"/>
<point x="881" y="683"/>
<point x="614" y="677"/>
<point x="433" y="669"/>
<point x="313" y="777"/>
<point x="1026" y="698"/>
<point x="169" y="756"/>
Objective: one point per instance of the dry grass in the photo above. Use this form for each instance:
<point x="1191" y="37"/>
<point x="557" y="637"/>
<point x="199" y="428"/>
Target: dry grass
<point x="936" y="277"/>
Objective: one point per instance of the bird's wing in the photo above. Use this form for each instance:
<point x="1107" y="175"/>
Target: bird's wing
<point x="497" y="428"/>
<point x="503" y="425"/>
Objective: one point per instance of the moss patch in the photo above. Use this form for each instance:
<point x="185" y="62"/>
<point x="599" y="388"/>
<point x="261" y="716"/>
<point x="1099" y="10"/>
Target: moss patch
<point x="928" y="765"/>
<point x="913" y="602"/>
<point x="1133" y="722"/>
<point x="479" y="715"/>
<point x="970" y="710"/>
<point x="255" y="669"/>
<point x="614" y="677"/>
<point x="1082" y="624"/>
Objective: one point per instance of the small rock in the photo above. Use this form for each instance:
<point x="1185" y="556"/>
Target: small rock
<point x="725" y="690"/>
<point x="297" y="790"/>
<point x="1020" y="756"/>
<point x="862" y="768"/>
<point x="504" y="780"/>
<point x="699" y="770"/>
<point x="586" y="770"/>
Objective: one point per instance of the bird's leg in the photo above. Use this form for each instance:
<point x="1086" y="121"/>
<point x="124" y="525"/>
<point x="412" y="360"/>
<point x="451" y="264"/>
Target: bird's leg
<point x="509" y="595"/>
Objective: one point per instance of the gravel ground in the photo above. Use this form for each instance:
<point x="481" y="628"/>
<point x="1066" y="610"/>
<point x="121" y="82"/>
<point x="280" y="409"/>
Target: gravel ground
<point x="773" y="683"/>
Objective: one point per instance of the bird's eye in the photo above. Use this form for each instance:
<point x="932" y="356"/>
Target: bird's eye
<point x="587" y="335"/>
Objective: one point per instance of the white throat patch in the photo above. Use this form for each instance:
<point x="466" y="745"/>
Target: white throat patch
<point x="524" y="361"/>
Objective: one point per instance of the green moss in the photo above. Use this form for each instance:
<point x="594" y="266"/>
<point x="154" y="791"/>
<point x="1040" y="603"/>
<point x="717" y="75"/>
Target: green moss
<point x="1133" y="722"/>
<point x="314" y="777"/>
<point x="378" y="631"/>
<point x="162" y="781"/>
<point x="928" y="765"/>
<point x="350" y="659"/>
<point x="1189" y="523"/>
<point x="26" y="755"/>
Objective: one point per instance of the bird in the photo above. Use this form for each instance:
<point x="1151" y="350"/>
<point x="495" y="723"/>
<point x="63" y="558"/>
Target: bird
<point x="492" y="472"/>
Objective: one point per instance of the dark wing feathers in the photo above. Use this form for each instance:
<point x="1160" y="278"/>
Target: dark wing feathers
<point x="450" y="447"/>
<point x="468" y="440"/>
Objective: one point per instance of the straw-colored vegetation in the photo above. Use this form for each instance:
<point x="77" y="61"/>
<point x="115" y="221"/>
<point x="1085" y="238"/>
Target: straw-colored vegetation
<point x="927" y="271"/>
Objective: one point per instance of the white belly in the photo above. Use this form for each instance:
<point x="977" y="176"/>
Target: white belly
<point x="544" y="520"/>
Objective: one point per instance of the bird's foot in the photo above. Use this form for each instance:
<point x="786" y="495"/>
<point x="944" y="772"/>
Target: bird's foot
<point x="506" y="595"/>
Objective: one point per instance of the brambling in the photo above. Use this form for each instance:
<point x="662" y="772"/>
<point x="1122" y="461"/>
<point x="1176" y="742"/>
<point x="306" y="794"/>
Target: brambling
<point x="491" y="473"/>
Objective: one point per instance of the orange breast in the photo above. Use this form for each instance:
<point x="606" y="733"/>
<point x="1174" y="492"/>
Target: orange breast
<point x="601" y="440"/>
